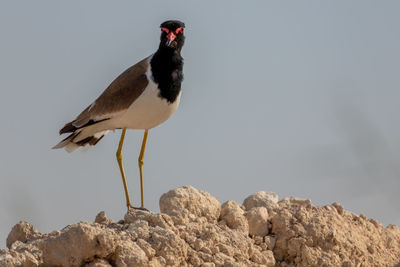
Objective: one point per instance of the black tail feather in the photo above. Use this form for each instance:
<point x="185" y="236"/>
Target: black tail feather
<point x="70" y="127"/>
<point x="91" y="140"/>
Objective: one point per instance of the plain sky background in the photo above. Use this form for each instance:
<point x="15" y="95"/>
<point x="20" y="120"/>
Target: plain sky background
<point x="300" y="98"/>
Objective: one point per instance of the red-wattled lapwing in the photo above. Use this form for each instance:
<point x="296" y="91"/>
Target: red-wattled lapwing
<point x="142" y="97"/>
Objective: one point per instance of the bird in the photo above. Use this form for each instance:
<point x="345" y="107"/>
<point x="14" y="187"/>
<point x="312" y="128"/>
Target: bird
<point x="140" y="98"/>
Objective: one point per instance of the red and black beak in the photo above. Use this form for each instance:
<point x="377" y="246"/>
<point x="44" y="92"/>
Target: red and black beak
<point x="171" y="37"/>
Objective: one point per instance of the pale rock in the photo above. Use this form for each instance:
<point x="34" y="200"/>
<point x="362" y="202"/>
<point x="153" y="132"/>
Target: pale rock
<point x="98" y="263"/>
<point x="295" y="201"/>
<point x="221" y="259"/>
<point x="128" y="253"/>
<point x="23" y="258"/>
<point x="296" y="234"/>
<point x="157" y="262"/>
<point x="146" y="247"/>
<point x="205" y="257"/>
<point x="102" y="218"/>
<point x="206" y="250"/>
<point x="233" y="215"/>
<point x="139" y="229"/>
<point x="77" y="244"/>
<point x="264" y="199"/>
<point x="186" y="203"/>
<point x="226" y="249"/>
<point x="393" y="227"/>
<point x="169" y="245"/>
<point x="153" y="219"/>
<point x="9" y="259"/>
<point x="214" y="250"/>
<point x="258" y="240"/>
<point x="266" y="258"/>
<point x="234" y="264"/>
<point x="270" y="242"/>
<point x="198" y="244"/>
<point x="194" y="260"/>
<point x="257" y="219"/>
<point x="23" y="232"/>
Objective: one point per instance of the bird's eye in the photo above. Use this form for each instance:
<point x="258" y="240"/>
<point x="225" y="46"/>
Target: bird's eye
<point x="179" y="30"/>
<point x="164" y="30"/>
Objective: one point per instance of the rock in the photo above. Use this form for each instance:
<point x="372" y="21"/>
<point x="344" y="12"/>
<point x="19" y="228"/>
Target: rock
<point x="169" y="245"/>
<point x="22" y="231"/>
<point x="102" y="218"/>
<point x="339" y="208"/>
<point x="152" y="219"/>
<point x="267" y="200"/>
<point x="186" y="203"/>
<point x="270" y="242"/>
<point x="257" y="219"/>
<point x="98" y="263"/>
<point x="77" y="243"/>
<point x="295" y="201"/>
<point x="233" y="215"/>
<point x="291" y="232"/>
<point x="128" y="253"/>
<point x="266" y="258"/>
<point x="20" y="258"/>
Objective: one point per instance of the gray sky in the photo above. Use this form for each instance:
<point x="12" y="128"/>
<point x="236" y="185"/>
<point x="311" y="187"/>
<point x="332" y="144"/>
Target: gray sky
<point x="296" y="97"/>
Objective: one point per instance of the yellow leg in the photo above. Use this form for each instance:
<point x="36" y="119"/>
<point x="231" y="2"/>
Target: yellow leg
<point x="121" y="168"/>
<point x="140" y="161"/>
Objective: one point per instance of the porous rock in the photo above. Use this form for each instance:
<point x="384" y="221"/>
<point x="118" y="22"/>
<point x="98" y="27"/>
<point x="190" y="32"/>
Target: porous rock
<point x="297" y="234"/>
<point x="233" y="215"/>
<point x="22" y="231"/>
<point x="264" y="199"/>
<point x="102" y="218"/>
<point x="257" y="219"/>
<point x="186" y="203"/>
<point x="98" y="263"/>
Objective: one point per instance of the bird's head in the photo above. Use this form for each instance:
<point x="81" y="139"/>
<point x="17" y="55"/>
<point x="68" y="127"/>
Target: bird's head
<point x="172" y="34"/>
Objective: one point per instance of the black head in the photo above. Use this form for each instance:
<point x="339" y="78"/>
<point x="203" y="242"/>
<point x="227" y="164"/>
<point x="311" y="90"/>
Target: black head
<point x="172" y="34"/>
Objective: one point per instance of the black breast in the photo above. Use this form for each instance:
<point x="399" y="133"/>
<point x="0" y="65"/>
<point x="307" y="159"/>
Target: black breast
<point x="166" y="66"/>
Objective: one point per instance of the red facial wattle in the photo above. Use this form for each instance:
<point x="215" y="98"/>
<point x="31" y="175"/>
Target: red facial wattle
<point x="171" y="36"/>
<point x="164" y="30"/>
<point x="179" y="30"/>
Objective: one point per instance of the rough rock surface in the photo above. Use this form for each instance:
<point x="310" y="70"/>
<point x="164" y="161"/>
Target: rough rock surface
<point x="196" y="230"/>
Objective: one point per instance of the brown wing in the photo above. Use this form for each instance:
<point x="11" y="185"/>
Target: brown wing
<point x="119" y="95"/>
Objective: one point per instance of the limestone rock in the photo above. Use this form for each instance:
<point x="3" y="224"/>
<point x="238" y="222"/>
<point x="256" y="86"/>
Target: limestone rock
<point x="257" y="219"/>
<point x="22" y="231"/>
<point x="102" y="218"/>
<point x="186" y="203"/>
<point x="264" y="232"/>
<point x="267" y="200"/>
<point x="98" y="263"/>
<point x="77" y="243"/>
<point x="233" y="215"/>
<point x="128" y="253"/>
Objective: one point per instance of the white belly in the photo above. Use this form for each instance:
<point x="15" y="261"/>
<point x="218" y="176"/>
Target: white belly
<point x="148" y="111"/>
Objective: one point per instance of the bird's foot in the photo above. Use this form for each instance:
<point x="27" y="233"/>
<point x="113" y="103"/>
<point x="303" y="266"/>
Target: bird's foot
<point x="130" y="207"/>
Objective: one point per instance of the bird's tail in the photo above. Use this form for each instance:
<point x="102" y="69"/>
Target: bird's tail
<point x="79" y="138"/>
